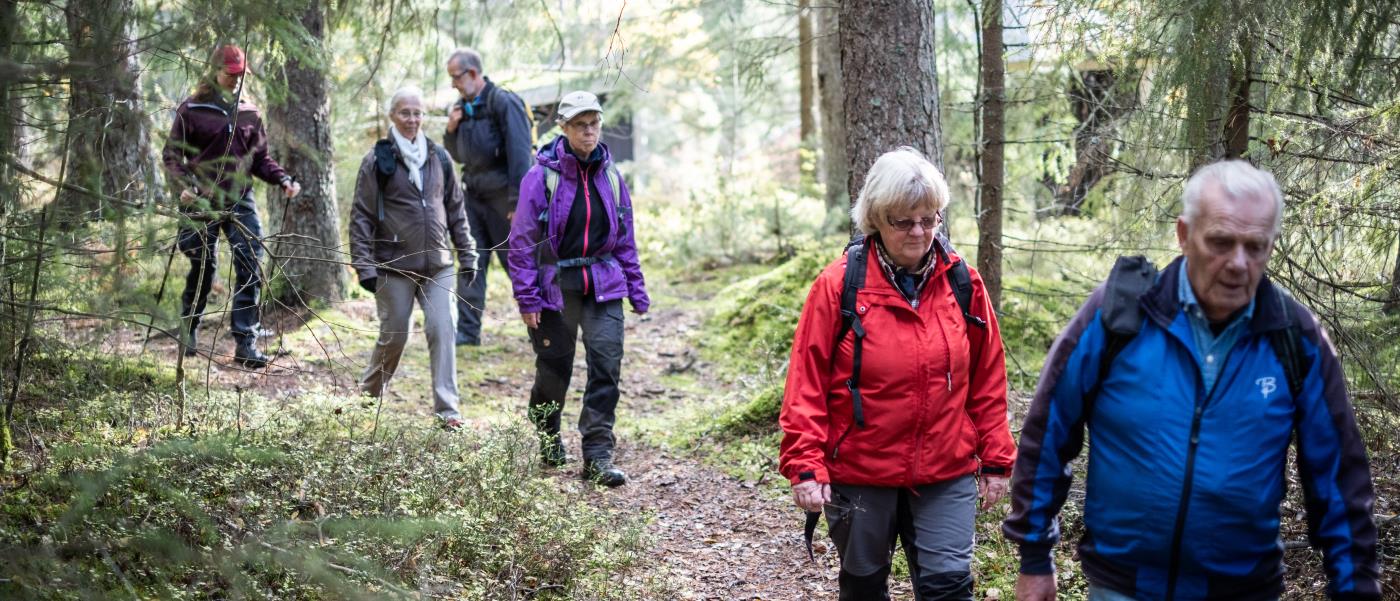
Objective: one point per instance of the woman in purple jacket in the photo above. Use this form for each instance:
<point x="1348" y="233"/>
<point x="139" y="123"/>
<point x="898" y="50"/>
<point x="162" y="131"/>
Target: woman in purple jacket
<point x="572" y="259"/>
<point x="216" y="142"/>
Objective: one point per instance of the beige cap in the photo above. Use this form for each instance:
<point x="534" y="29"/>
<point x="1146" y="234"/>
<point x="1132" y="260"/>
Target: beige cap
<point x="575" y="103"/>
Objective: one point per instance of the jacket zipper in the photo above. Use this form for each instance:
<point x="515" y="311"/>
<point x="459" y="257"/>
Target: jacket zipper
<point x="587" y="221"/>
<point x="1174" y="567"/>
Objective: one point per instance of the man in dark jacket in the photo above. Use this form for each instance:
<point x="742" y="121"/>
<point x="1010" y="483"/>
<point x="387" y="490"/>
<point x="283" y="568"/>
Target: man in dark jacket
<point x="216" y="142"/>
<point x="573" y="258"/>
<point x="1191" y="418"/>
<point x="489" y="133"/>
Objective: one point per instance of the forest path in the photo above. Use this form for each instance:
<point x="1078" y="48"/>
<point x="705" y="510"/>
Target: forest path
<point x="713" y="536"/>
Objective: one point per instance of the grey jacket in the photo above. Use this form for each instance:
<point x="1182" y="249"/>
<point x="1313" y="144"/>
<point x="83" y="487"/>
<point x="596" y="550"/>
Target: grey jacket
<point x="418" y="230"/>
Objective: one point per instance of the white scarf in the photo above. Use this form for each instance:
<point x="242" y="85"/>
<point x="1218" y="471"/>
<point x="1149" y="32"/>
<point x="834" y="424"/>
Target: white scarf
<point x="414" y="153"/>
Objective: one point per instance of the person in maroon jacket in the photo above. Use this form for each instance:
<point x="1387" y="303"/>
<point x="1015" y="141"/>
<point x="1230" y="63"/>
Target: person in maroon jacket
<point x="927" y="434"/>
<point x="216" y="142"/>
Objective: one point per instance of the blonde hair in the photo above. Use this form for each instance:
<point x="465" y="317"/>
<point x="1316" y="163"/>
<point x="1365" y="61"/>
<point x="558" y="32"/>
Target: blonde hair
<point x="899" y="179"/>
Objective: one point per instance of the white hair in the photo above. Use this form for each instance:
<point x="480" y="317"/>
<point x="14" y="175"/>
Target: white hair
<point x="401" y="95"/>
<point x="899" y="179"/>
<point x="1238" y="180"/>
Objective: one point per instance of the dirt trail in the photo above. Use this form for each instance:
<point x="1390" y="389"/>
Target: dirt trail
<point x="713" y="535"/>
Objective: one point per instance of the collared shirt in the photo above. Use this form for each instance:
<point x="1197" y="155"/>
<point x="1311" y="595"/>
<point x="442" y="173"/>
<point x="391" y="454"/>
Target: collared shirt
<point x="909" y="283"/>
<point x="1211" y="348"/>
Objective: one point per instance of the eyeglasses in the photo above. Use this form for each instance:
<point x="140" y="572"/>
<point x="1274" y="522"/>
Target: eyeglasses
<point x="457" y="76"/>
<point x="927" y="223"/>
<point x="407" y="114"/>
<point x="585" y="125"/>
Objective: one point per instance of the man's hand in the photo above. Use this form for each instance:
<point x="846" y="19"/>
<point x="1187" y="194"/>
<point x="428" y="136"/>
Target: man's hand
<point x="532" y="320"/>
<point x="811" y="495"/>
<point x="467" y="275"/>
<point x="291" y="188"/>
<point x="454" y="117"/>
<point x="189" y="195"/>
<point x="1035" y="587"/>
<point x="992" y="489"/>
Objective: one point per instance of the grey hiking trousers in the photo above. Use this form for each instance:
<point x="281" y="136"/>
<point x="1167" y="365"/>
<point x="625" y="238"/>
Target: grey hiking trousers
<point x="933" y="522"/>
<point x="394" y="299"/>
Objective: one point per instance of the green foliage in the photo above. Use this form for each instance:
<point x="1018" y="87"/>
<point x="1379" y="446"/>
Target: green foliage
<point x="754" y="319"/>
<point x="1032" y="314"/>
<point x="309" y="500"/>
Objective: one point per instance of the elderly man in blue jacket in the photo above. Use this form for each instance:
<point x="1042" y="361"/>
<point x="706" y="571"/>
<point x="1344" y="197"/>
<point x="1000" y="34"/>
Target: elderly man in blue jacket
<point x="1191" y="409"/>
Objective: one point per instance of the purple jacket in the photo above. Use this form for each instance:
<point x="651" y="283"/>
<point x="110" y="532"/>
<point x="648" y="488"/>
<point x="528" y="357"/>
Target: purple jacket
<point x="534" y="236"/>
<point x="200" y="153"/>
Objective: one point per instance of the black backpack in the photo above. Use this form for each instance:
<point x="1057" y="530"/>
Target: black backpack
<point x="857" y="258"/>
<point x="1121" y="316"/>
<point x="386" y="163"/>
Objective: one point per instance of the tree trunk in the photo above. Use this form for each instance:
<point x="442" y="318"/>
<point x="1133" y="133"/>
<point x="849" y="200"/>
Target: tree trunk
<point x="307" y="252"/>
<point x="1098" y="99"/>
<point x="1392" y="306"/>
<point x="833" y="109"/>
<point x="806" y="75"/>
<point x="112" y="151"/>
<point x="993" y="155"/>
<point x="1236" y="134"/>
<point x="9" y="198"/>
<point x="890" y="81"/>
<point x="807" y="85"/>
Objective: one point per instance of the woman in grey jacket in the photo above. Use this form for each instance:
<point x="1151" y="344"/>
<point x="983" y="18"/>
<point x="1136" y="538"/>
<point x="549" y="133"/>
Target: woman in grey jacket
<point x="407" y="219"/>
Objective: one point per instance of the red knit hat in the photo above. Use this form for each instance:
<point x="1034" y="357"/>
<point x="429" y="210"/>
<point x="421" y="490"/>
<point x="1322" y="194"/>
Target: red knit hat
<point x="232" y="58"/>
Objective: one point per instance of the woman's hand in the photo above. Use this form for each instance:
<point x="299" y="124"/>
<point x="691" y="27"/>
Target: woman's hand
<point x="532" y="320"/>
<point x="811" y="495"/>
<point x="992" y="489"/>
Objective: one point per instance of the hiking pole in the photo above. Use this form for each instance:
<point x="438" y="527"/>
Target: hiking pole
<point x="160" y="294"/>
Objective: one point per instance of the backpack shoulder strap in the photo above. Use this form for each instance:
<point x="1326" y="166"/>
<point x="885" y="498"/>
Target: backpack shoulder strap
<point x="857" y="256"/>
<point x="385" y="164"/>
<point x="960" y="280"/>
<point x="1121" y="315"/>
<point x="551" y="183"/>
<point x="1288" y="345"/>
<point x="446" y="161"/>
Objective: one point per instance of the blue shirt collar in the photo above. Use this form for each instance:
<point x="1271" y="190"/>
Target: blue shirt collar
<point x="1192" y="306"/>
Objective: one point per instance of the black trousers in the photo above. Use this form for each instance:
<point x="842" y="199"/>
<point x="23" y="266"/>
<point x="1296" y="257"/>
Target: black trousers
<point x="554" y="342"/>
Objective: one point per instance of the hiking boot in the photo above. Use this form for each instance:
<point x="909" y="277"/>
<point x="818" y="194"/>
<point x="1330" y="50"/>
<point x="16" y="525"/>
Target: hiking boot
<point x="552" y="453"/>
<point x="465" y="340"/>
<point x="248" y="354"/>
<point x="602" y="471"/>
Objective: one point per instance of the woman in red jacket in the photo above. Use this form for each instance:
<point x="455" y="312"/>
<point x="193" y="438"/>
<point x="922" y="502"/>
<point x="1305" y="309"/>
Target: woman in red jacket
<point x="932" y="433"/>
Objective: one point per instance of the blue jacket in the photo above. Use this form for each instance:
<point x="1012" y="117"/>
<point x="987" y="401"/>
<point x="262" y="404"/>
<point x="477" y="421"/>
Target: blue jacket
<point x="1184" y="484"/>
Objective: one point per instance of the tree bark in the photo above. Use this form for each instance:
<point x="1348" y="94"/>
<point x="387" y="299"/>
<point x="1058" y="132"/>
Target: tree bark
<point x="993" y="157"/>
<point x="1392" y="306"/>
<point x="807" y="90"/>
<point x="890" y="81"/>
<point x="112" y="150"/>
<point x="806" y="75"/>
<point x="307" y="252"/>
<point x="833" y="111"/>
<point x="1097" y="99"/>
<point x="9" y="198"/>
<point x="1236" y="134"/>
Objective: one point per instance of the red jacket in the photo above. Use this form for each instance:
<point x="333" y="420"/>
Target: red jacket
<point x="933" y="386"/>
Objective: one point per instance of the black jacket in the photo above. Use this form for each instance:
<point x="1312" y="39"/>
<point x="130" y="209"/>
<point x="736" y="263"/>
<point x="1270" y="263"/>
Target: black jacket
<point x="493" y="146"/>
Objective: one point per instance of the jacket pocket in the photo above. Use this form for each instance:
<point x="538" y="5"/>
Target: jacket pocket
<point x="609" y="281"/>
<point x="548" y="282"/>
